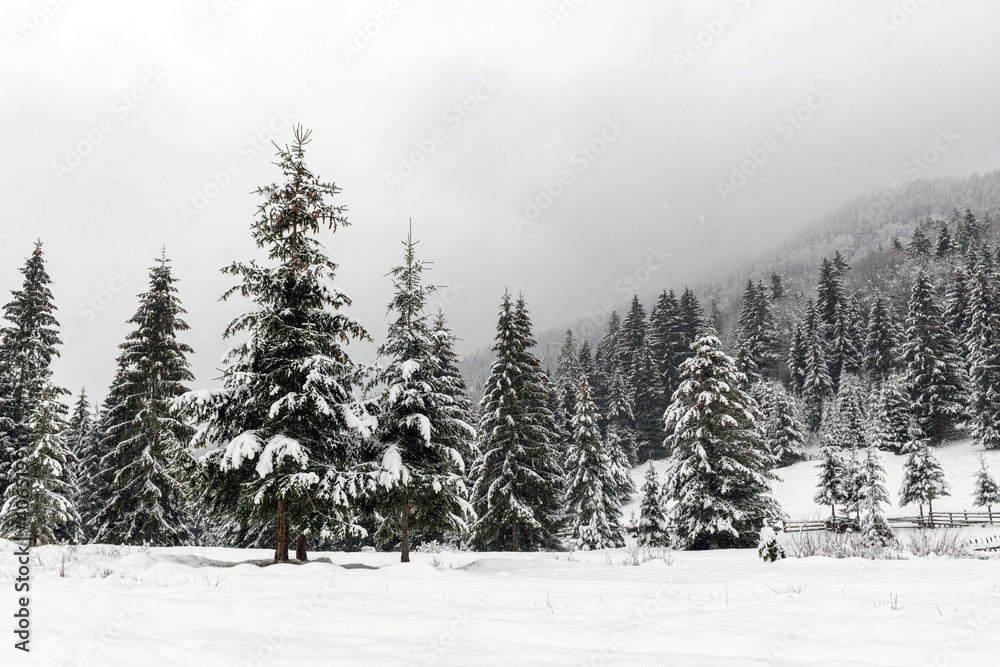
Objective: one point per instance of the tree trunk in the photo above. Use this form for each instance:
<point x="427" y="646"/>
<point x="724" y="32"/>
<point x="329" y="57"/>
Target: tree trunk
<point x="833" y="512"/>
<point x="404" y="533"/>
<point x="930" y="511"/>
<point x="300" y="548"/>
<point x="514" y="537"/>
<point x="281" y="548"/>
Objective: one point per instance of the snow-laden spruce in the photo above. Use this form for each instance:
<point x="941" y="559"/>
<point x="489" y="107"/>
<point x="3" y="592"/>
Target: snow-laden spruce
<point x="652" y="529"/>
<point x="592" y="495"/>
<point x="890" y="423"/>
<point x="422" y="432"/>
<point x="782" y="428"/>
<point x="36" y="501"/>
<point x="983" y="343"/>
<point x="986" y="492"/>
<point x="77" y="432"/>
<point x="718" y="479"/>
<point x="29" y="342"/>
<point x="923" y="477"/>
<point x="767" y="547"/>
<point x="831" y="485"/>
<point x="875" y="528"/>
<point x="285" y="430"/>
<point x="144" y="441"/>
<point x="518" y="479"/>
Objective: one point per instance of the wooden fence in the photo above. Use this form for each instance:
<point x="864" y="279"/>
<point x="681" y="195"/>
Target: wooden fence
<point x="936" y="520"/>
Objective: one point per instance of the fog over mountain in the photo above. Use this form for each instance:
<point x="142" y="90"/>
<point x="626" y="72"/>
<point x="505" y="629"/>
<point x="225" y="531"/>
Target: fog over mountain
<point x="575" y="151"/>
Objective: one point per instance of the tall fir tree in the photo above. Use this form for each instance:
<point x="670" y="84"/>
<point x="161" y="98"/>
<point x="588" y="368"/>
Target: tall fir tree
<point x="665" y="339"/>
<point x="890" y="422"/>
<point x="983" y="344"/>
<point x="797" y="360"/>
<point x="454" y="384"/>
<point x="592" y="495"/>
<point x="756" y="336"/>
<point x="935" y="375"/>
<point x="421" y="430"/>
<point x="28" y="343"/>
<point x="585" y="360"/>
<point x="830" y="489"/>
<point x="817" y="385"/>
<point x="957" y="311"/>
<point x="943" y="246"/>
<point x="632" y="335"/>
<point x="518" y="480"/>
<point x="620" y="421"/>
<point x="605" y="357"/>
<point x="288" y="391"/>
<point x="881" y="352"/>
<point x="718" y="475"/>
<point x="145" y="442"/>
<point x="568" y="373"/>
<point x="830" y="296"/>
<point x="647" y="406"/>
<point x="692" y="323"/>
<point x="875" y="528"/>
<point x="78" y="431"/>
<point x="783" y="432"/>
<point x="652" y="528"/>
<point x="36" y="503"/>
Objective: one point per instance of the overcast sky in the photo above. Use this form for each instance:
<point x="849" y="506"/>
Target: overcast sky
<point x="550" y="147"/>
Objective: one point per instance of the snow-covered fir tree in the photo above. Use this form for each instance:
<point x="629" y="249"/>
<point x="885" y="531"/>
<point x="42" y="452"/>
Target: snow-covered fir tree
<point x="652" y="529"/>
<point x="668" y="347"/>
<point x="831" y="491"/>
<point x="718" y="475"/>
<point x="420" y="484"/>
<point x="592" y="496"/>
<point x="957" y="313"/>
<point x="647" y="406"/>
<point x="783" y="432"/>
<point x="817" y="385"/>
<point x="36" y="502"/>
<point x="875" y="530"/>
<point x="755" y="335"/>
<point x="605" y="357"/>
<point x="632" y="335"/>
<point x="797" y="360"/>
<point x="567" y="376"/>
<point x="830" y="296"/>
<point x="586" y="361"/>
<point x="923" y="477"/>
<point x="29" y="341"/>
<point x="935" y="376"/>
<point x="518" y="480"/>
<point x="620" y="422"/>
<point x="890" y="422"/>
<point x="692" y="321"/>
<point x="881" y="356"/>
<point x="78" y="431"/>
<point x="453" y="384"/>
<point x="983" y="344"/>
<point x="767" y="546"/>
<point x="986" y="492"/>
<point x="144" y="440"/>
<point x="286" y="431"/>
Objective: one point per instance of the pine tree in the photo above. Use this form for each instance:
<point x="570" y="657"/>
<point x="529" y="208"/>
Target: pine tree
<point x="839" y="263"/>
<point x="881" y="355"/>
<point x="797" y="360"/>
<point x="652" y="527"/>
<point x="421" y="485"/>
<point x="620" y="421"/>
<point x="935" y="376"/>
<point x="875" y="529"/>
<point x="782" y="429"/>
<point x="586" y="361"/>
<point x="986" y="492"/>
<point x="692" y="321"/>
<point x="665" y="338"/>
<point x="605" y="357"/>
<point x="592" y="497"/>
<point x="718" y="473"/>
<point x="890" y="420"/>
<point x="518" y="481"/>
<point x="920" y="245"/>
<point x="777" y="287"/>
<point x="923" y="478"/>
<point x="453" y="384"/>
<point x="144" y="440"/>
<point x="829" y="297"/>
<point x="28" y="343"/>
<point x="755" y="335"/>
<point x="78" y="430"/>
<point x="983" y="343"/>
<point x="853" y="484"/>
<point x="35" y="503"/>
<point x="831" y="481"/>
<point x="632" y="335"/>
<point x="288" y="395"/>
<point x="817" y="385"/>
<point x="568" y="372"/>
<point x="96" y="482"/>
<point x="957" y="311"/>
<point x="851" y="414"/>
<point x="944" y="245"/>
<point x="647" y="407"/>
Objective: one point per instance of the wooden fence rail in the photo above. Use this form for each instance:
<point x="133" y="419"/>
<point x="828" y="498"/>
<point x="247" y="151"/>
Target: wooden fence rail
<point x="935" y="520"/>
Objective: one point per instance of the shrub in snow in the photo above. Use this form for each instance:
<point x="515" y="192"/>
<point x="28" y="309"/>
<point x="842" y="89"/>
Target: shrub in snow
<point x="768" y="548"/>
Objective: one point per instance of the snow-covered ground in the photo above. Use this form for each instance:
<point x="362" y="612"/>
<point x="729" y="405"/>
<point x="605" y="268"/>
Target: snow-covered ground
<point x="105" y="605"/>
